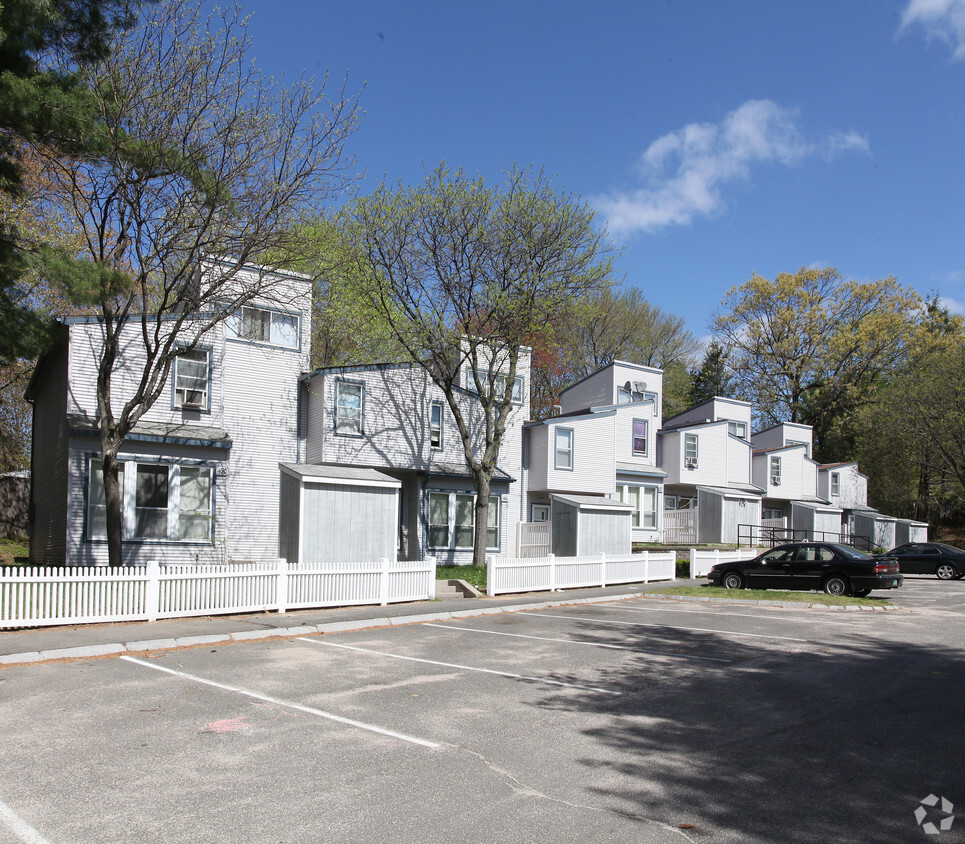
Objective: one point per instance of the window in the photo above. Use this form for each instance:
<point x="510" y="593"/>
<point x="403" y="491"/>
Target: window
<point x="452" y="520"/>
<point x="835" y="483"/>
<point x="737" y="429"/>
<point x="439" y="520"/>
<point x="465" y="510"/>
<point x="644" y="503"/>
<point x="640" y="437"/>
<point x="690" y="451"/>
<point x="807" y="447"/>
<point x="540" y="512"/>
<point x="191" y="378"/>
<point x="261" y="325"/>
<point x="670" y="502"/>
<point x="775" y="471"/>
<point x="96" y="500"/>
<point x="435" y="425"/>
<point x="151" y="502"/>
<point x="348" y="407"/>
<point x="772" y="513"/>
<point x="159" y="501"/>
<point x="564" y="448"/>
<point x="499" y="385"/>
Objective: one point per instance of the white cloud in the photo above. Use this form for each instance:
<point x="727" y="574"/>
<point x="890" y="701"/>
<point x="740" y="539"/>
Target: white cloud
<point x="953" y="306"/>
<point x="684" y="171"/>
<point x="943" y="20"/>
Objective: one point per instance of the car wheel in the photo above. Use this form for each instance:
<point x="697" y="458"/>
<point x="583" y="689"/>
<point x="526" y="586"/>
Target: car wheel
<point x="861" y="593"/>
<point x="836" y="585"/>
<point x="732" y="580"/>
<point x="946" y="571"/>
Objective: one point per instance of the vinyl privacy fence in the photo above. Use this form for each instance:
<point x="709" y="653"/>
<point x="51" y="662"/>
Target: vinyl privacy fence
<point x="519" y="574"/>
<point x="702" y="562"/>
<point x="31" y="597"/>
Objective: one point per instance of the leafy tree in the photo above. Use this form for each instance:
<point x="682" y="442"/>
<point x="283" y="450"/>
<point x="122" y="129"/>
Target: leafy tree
<point x="711" y="378"/>
<point x="198" y="155"/>
<point x="42" y="101"/>
<point x="607" y="326"/>
<point x="809" y="347"/>
<point x="466" y="274"/>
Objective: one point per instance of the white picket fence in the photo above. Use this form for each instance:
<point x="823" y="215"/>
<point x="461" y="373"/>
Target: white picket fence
<point x="519" y="574"/>
<point x="31" y="597"/>
<point x="701" y="562"/>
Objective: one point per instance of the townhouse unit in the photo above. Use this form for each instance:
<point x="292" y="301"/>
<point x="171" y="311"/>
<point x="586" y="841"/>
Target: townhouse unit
<point x="199" y="473"/>
<point x="603" y="444"/>
<point x="709" y="493"/>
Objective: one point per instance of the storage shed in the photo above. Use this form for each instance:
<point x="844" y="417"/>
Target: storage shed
<point x="820" y="522"/>
<point x="589" y="524"/>
<point x="908" y="530"/>
<point x="874" y="529"/>
<point x="334" y="514"/>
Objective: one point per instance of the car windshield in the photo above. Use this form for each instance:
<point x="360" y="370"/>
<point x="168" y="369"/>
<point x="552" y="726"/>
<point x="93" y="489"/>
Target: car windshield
<point x="851" y="553"/>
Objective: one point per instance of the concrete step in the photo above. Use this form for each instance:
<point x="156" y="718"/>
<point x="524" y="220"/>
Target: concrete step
<point x="444" y="589"/>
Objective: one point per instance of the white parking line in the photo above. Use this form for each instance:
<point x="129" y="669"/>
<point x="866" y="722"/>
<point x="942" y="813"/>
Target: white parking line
<point x="19" y="827"/>
<point x="310" y="710"/>
<point x="463" y="667"/>
<point x="575" y="642"/>
<point x="668" y="627"/>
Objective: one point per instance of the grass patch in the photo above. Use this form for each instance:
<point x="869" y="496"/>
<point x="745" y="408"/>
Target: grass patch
<point x="774" y="595"/>
<point x="14" y="552"/>
<point x="471" y="574"/>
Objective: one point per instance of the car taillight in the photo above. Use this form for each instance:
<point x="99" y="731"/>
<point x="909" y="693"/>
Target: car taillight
<point x="881" y="567"/>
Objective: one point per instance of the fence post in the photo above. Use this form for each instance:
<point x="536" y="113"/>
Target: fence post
<point x="490" y="580"/>
<point x="603" y="570"/>
<point x="432" y="577"/>
<point x="152" y="594"/>
<point x="281" y="591"/>
<point x="693" y="562"/>
<point x="384" y="582"/>
<point x="646" y="565"/>
<point x="552" y="558"/>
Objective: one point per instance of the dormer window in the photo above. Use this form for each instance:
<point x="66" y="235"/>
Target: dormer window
<point x="835" y="484"/>
<point x="775" y="471"/>
<point x="192" y="370"/>
<point x="737" y="429"/>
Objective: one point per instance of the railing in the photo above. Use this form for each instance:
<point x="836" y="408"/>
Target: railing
<point x="680" y="526"/>
<point x="31" y="597"/>
<point x="702" y="562"/>
<point x="533" y="539"/>
<point x="509" y="574"/>
<point x="769" y="536"/>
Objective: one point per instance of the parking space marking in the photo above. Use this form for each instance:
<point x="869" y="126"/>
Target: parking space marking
<point x="19" y="827"/>
<point x="576" y="642"/>
<point x="462" y="667"/>
<point x="670" y="627"/>
<point x="268" y="699"/>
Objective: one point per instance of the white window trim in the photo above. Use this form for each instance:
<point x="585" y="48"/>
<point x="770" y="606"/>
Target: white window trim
<point x="640" y="513"/>
<point x="335" y="418"/>
<point x="129" y="502"/>
<point x="234" y="323"/>
<point x="571" y="437"/>
<point x="835" y="483"/>
<point x="442" y="425"/>
<point x="495" y="505"/>
<point x="634" y="438"/>
<point x="205" y="406"/>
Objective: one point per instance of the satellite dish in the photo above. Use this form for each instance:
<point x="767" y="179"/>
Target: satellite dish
<point x="628" y="387"/>
<point x="639" y="386"/>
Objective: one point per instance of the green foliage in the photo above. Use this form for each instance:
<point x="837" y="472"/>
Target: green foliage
<point x="810" y="347"/>
<point x="711" y="378"/>
<point x="473" y="575"/>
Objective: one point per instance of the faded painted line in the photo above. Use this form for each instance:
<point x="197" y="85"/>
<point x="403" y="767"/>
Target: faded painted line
<point x="671" y="627"/>
<point x="821" y="619"/>
<point x="465" y="667"/>
<point x="19" y="827"/>
<point x="577" y="642"/>
<point x="310" y="710"/>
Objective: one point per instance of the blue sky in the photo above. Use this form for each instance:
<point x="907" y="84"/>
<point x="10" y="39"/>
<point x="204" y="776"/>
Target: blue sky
<point x="715" y="139"/>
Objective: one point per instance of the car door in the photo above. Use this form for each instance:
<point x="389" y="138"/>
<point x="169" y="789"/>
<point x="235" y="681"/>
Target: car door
<point x="771" y="570"/>
<point x="917" y="558"/>
<point x="810" y="565"/>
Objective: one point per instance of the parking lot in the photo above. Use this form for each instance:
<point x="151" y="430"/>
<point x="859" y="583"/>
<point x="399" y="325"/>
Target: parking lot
<point x="648" y="720"/>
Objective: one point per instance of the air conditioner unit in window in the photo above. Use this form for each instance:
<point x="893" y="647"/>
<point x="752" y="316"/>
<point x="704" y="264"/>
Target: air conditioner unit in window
<point x="193" y="400"/>
<point x="690" y="462"/>
<point x="775" y="480"/>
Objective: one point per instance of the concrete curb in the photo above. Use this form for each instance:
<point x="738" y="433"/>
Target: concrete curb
<point x="32" y="657"/>
<point x="751" y="602"/>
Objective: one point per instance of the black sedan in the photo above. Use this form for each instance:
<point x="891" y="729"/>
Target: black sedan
<point x="836" y="569"/>
<point x="935" y="558"/>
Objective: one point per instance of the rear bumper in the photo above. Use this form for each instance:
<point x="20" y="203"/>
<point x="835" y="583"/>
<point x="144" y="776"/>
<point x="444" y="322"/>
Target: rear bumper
<point x="877" y="581"/>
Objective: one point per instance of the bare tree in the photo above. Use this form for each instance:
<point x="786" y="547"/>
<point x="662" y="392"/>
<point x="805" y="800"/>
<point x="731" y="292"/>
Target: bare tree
<point x="198" y="155"/>
<point x="465" y="275"/>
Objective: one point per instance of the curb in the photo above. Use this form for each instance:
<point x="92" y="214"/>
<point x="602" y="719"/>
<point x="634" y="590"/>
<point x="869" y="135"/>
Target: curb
<point x="788" y="604"/>
<point x="87" y="651"/>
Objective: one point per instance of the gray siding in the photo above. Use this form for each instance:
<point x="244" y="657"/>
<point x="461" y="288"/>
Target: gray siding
<point x="603" y="532"/>
<point x="565" y="520"/>
<point x="710" y="516"/>
<point x="49" y="448"/>
<point x="348" y="523"/>
<point x="289" y="517"/>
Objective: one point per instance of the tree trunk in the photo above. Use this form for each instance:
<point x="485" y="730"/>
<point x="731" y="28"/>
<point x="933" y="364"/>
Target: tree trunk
<point x="481" y="520"/>
<point x="114" y="508"/>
